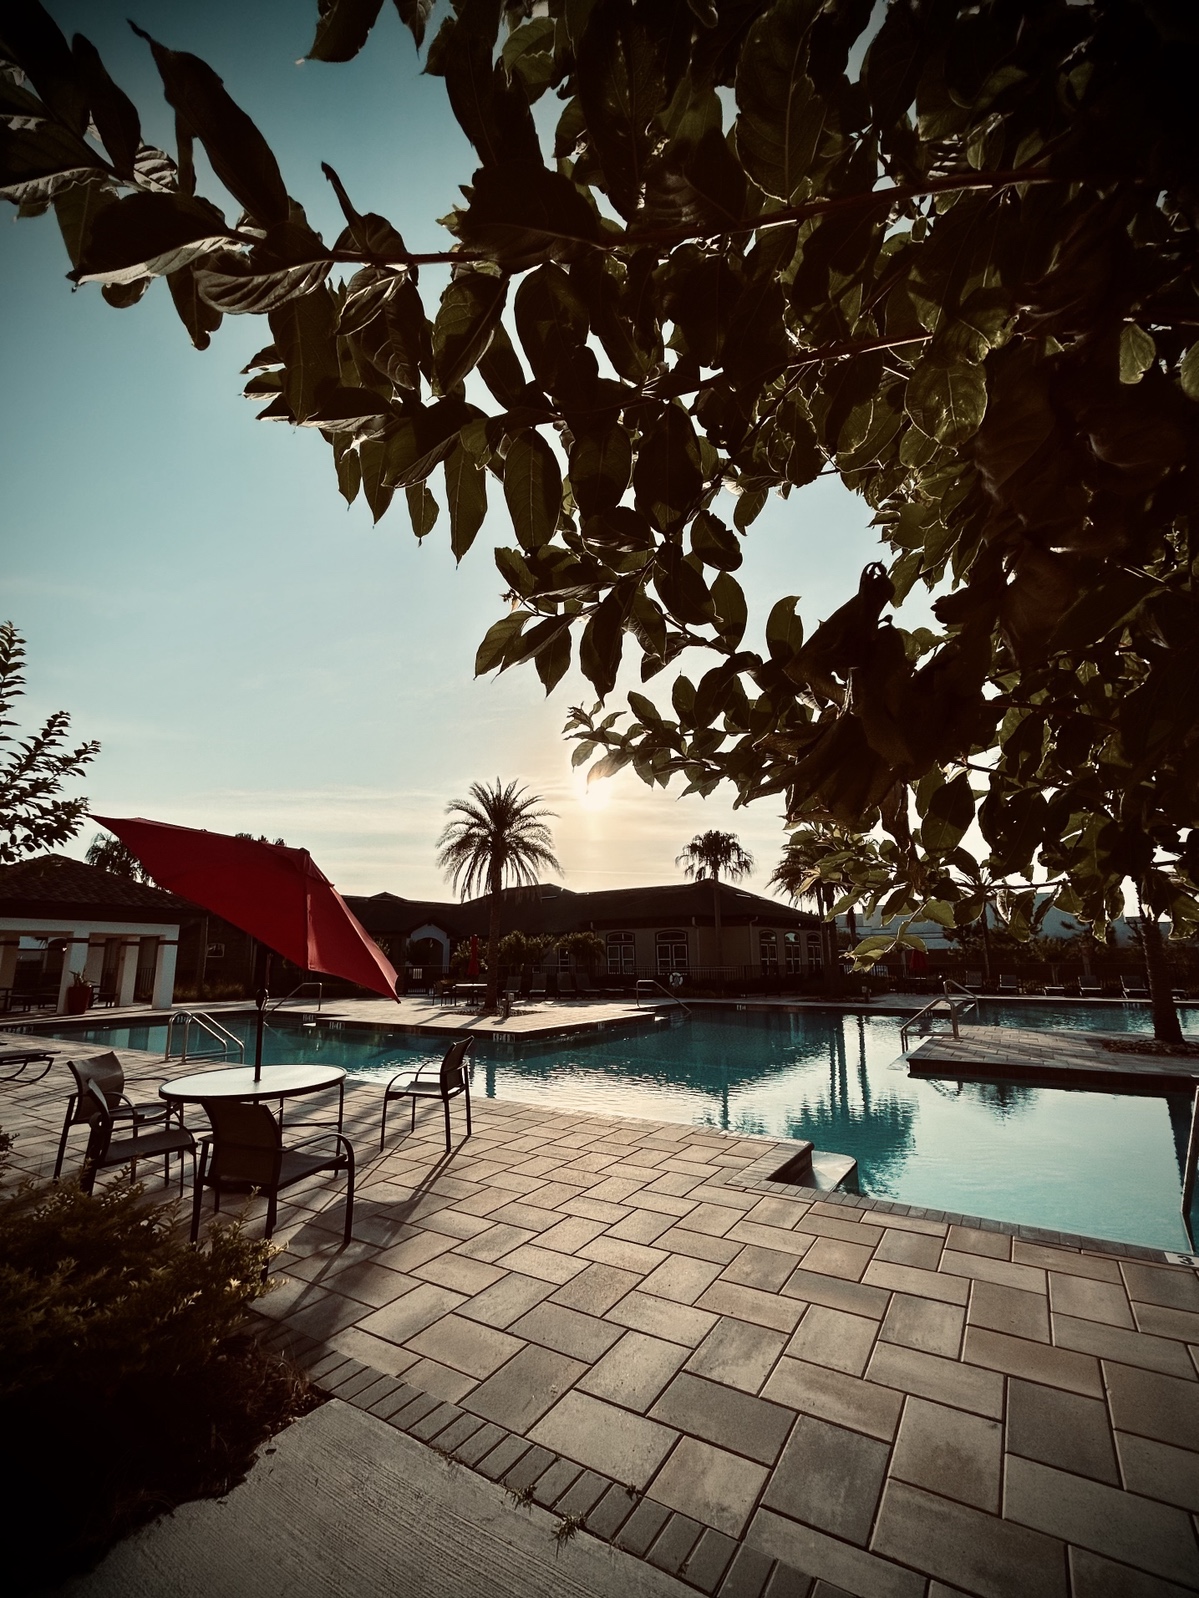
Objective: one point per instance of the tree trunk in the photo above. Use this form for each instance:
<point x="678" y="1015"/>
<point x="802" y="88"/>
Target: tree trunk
<point x="491" y="997"/>
<point x="832" y="952"/>
<point x="717" y="929"/>
<point x="1166" y="1026"/>
<point x="986" y="945"/>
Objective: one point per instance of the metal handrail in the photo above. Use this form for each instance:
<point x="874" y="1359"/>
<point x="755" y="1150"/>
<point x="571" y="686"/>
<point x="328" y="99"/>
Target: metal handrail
<point x="283" y="998"/>
<point x="650" y="982"/>
<point x="944" y="1003"/>
<point x="207" y="1023"/>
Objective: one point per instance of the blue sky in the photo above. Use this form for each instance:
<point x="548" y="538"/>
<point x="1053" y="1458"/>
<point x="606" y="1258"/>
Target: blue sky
<point x="252" y="654"/>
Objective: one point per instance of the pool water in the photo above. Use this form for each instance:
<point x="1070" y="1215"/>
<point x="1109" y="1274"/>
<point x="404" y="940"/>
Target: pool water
<point x="1101" y="1164"/>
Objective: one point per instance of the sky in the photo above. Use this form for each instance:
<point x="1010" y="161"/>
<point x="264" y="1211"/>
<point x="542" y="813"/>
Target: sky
<point x="252" y="654"/>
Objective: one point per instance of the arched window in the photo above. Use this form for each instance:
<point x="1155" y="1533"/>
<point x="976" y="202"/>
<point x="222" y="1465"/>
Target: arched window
<point x="672" y="952"/>
<point x="792" y="953"/>
<point x="622" y="954"/>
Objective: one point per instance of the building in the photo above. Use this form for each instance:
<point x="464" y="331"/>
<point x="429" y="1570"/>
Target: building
<point x="61" y="919"/>
<point x="647" y="932"/>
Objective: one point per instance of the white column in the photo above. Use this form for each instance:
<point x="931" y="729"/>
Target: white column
<point x="164" y="972"/>
<point x="95" y="962"/>
<point x="75" y="960"/>
<point x="128" y="976"/>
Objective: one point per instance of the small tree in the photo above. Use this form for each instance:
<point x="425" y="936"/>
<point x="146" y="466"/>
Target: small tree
<point x="704" y="858"/>
<point x="33" y="770"/>
<point x="497" y="835"/>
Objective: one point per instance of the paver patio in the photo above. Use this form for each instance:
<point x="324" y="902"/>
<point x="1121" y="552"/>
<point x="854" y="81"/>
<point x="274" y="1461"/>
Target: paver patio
<point x="757" y="1390"/>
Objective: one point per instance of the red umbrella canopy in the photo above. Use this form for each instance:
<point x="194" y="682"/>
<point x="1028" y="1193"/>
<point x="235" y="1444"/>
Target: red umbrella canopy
<point x="276" y="894"/>
<point x="472" y="969"/>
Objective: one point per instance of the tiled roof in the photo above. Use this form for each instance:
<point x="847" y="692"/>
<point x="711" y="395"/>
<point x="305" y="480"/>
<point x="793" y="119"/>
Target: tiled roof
<point x="56" y="884"/>
<point x="549" y="908"/>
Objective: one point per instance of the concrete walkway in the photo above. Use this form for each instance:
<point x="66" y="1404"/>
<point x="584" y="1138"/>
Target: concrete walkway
<point x="1059" y="1059"/>
<point x="764" y="1392"/>
<point x="343" y="1506"/>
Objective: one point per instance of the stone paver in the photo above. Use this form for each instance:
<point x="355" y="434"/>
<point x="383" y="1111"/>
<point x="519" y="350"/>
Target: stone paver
<point x="808" y="1394"/>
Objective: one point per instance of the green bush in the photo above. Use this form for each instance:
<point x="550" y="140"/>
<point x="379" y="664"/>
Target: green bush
<point x="129" y="1381"/>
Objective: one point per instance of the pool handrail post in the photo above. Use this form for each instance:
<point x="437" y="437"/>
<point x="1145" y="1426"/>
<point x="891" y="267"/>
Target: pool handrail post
<point x="1188" y="1175"/>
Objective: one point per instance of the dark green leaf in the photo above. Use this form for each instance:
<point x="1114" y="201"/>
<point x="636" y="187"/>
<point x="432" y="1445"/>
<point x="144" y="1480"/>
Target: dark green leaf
<point x="34" y="166"/>
<point x="621" y="80"/>
<point x="499" y="638"/>
<point x="466" y="319"/>
<point x="147" y="234"/>
<point x="240" y="156"/>
<point x="1137" y="353"/>
<point x="950" y="812"/>
<point x="714" y="543"/>
<point x="551" y="320"/>
<point x="422" y="508"/>
<point x="250" y="293"/>
<point x="33" y="42"/>
<point x="520" y="215"/>
<point x="414" y="14"/>
<point x="619" y="531"/>
<point x="947" y="403"/>
<point x="681" y="587"/>
<point x="533" y="489"/>
<point x="600" y="645"/>
<point x="493" y="113"/>
<point x="76" y="208"/>
<point x="600" y="467"/>
<point x="466" y="497"/>
<point x="342" y="28"/>
<point x="113" y="112"/>
<point x="197" y="316"/>
<point x="781" y="115"/>
<point x="304" y="333"/>
<point x="553" y="660"/>
<point x="667" y="477"/>
<point x="372" y="459"/>
<point x="784" y="630"/>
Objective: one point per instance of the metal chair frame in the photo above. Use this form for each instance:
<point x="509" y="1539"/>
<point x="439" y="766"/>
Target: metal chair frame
<point x="452" y="1080"/>
<point x="106" y="1071"/>
<point x="245" y="1153"/>
<point x="105" y="1154"/>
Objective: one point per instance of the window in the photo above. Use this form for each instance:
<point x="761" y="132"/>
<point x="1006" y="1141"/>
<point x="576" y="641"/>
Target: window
<point x="768" y="950"/>
<point x="815" y="952"/>
<point x="792" y="953"/>
<point x="672" y="952"/>
<point x="622" y="954"/>
<point x="564" y="960"/>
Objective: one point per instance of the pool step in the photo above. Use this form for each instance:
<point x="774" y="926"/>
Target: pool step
<point x="804" y="1167"/>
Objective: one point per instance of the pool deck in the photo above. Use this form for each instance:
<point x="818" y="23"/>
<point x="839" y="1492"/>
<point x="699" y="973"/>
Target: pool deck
<point x="762" y="1392"/>
<point x="1050" y="1059"/>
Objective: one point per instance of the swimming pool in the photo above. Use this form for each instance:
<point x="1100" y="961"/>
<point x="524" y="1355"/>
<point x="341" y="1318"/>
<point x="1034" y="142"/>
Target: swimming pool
<point x="1105" y="1165"/>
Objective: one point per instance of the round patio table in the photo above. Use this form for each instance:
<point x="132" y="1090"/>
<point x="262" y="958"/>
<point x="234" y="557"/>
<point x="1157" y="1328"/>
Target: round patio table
<point x="275" y="1082"/>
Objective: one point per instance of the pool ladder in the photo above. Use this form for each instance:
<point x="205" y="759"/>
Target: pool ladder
<point x="205" y="1023"/>
<point x="948" y="1003"/>
<point x="650" y="985"/>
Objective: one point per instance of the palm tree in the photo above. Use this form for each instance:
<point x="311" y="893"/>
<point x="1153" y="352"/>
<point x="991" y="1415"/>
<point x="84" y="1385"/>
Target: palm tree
<point x="800" y="877"/>
<point x="704" y="858"/>
<point x="110" y="854"/>
<point x="498" y="834"/>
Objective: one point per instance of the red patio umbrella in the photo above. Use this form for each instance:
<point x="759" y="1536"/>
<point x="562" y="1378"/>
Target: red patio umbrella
<point x="276" y="894"/>
<point x="472" y="968"/>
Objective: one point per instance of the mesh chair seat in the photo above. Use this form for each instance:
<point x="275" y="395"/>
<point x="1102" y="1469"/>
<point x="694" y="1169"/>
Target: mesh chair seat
<point x="105" y="1152"/>
<point x="107" y="1075"/>
<point x="245" y="1154"/>
<point x="125" y="1150"/>
<point x="452" y="1080"/>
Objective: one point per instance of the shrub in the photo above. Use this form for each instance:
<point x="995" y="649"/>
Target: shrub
<point x="129" y="1381"/>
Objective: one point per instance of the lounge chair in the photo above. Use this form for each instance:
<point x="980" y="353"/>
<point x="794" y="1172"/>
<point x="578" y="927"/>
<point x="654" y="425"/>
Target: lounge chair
<point x="104" y="1151"/>
<point x="583" y="985"/>
<point x="1134" y="988"/>
<point x="567" y="988"/>
<point x="452" y="1080"/>
<point x="1089" y="989"/>
<point x="108" y="1075"/>
<point x="1009" y="984"/>
<point x="537" y="987"/>
<point x="15" y="1062"/>
<point x="245" y="1154"/>
<point x="973" y="979"/>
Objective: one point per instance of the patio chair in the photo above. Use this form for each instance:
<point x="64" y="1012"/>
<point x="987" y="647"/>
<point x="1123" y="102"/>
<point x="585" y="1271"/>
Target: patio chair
<point x="245" y="1153"/>
<point x="973" y="980"/>
<point x="452" y="1079"/>
<point x="105" y="1151"/>
<point x="106" y="1071"/>
<point x="583" y="985"/>
<point x="15" y="1062"/>
<point x="1089" y="990"/>
<point x="1133" y="988"/>
<point x="567" y="987"/>
<point x="537" y="986"/>
<point x="1009" y="984"/>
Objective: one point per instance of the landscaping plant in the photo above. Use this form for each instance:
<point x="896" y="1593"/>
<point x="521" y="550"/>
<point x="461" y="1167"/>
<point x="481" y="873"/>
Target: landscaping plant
<point x="129" y="1380"/>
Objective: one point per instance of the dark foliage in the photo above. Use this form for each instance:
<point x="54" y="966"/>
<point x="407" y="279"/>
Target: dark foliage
<point x="129" y="1382"/>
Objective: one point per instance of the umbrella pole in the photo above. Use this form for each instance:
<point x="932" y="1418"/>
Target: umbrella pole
<point x="262" y="997"/>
